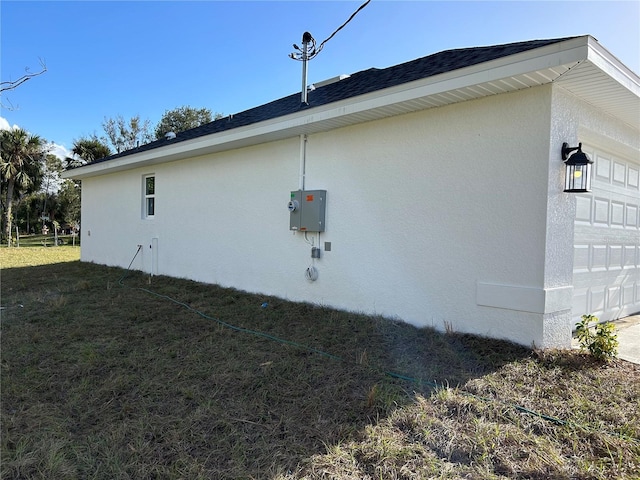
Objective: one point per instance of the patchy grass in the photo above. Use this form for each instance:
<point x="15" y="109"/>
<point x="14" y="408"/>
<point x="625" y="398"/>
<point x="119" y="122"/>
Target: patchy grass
<point x="37" y="255"/>
<point x="102" y="379"/>
<point x="589" y="428"/>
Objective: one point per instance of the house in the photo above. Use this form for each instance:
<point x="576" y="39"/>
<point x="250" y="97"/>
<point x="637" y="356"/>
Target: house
<point x="430" y="191"/>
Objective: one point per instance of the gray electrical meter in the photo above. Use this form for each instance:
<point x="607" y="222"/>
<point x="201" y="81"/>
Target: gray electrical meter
<point x="307" y="210"/>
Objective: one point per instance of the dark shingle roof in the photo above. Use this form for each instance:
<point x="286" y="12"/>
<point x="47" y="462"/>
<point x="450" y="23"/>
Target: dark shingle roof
<point x="358" y="83"/>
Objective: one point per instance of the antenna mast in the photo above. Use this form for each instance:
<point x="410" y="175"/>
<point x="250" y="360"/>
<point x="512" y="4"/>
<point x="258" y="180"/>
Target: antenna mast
<point x="304" y="54"/>
<point x="309" y="51"/>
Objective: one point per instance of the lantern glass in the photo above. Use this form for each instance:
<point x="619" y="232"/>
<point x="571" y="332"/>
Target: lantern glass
<point x="578" y="178"/>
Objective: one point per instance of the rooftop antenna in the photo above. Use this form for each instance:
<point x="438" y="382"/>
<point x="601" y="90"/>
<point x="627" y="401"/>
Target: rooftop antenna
<point x="304" y="54"/>
<point x="309" y="51"/>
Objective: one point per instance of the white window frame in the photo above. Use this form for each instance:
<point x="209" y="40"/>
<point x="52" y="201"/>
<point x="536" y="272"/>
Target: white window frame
<point x="148" y="199"/>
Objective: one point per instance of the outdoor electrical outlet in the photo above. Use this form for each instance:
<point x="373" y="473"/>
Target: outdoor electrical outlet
<point x="315" y="252"/>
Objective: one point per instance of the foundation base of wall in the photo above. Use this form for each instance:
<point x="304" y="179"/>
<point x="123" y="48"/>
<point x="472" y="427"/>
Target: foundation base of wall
<point x="524" y="299"/>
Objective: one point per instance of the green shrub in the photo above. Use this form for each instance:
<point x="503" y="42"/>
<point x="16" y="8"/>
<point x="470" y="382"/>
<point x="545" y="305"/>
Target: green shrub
<point x="601" y="341"/>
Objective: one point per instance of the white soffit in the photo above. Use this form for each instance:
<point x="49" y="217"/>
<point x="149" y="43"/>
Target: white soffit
<point x="606" y="83"/>
<point x="580" y="65"/>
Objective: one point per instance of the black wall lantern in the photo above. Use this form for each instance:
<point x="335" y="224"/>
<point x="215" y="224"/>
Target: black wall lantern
<point x="578" y="166"/>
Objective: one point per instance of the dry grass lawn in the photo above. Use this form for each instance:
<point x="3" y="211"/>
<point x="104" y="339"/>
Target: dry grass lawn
<point x="107" y="374"/>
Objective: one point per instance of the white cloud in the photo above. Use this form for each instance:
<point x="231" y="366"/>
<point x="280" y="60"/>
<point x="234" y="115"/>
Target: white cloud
<point x="4" y="124"/>
<point x="60" y="151"/>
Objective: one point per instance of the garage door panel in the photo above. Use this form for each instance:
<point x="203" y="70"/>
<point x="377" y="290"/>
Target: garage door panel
<point x="633" y="178"/>
<point x="601" y="211"/>
<point x="619" y="173"/>
<point x="581" y="257"/>
<point x="614" y="297"/>
<point x="629" y="294"/>
<point x="597" y="303"/>
<point x="608" y="170"/>
<point x="615" y="257"/>
<point x="581" y="300"/>
<point x="602" y="168"/>
<point x="617" y="214"/>
<point x="631" y="256"/>
<point x="599" y="258"/>
<point x="607" y="240"/>
<point x="584" y="207"/>
<point x="631" y="216"/>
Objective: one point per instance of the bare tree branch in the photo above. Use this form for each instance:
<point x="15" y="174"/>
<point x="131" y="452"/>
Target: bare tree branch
<point x="11" y="84"/>
<point x="9" y="106"/>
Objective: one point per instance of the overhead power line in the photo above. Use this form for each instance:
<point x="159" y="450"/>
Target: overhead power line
<point x="309" y="50"/>
<point x="321" y="46"/>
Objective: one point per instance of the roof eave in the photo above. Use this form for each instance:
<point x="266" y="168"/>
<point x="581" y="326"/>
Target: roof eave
<point x="527" y="69"/>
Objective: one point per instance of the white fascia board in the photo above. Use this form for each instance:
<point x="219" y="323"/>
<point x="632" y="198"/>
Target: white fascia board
<point x="438" y="84"/>
<point x="562" y="54"/>
<point x="565" y="54"/>
<point x="614" y="68"/>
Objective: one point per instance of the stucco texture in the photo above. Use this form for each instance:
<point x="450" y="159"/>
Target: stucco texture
<point x="421" y="208"/>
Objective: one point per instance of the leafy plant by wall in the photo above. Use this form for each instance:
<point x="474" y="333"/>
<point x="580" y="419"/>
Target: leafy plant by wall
<point x="601" y="340"/>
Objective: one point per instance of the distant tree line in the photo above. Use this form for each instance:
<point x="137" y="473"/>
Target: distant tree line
<point x="33" y="194"/>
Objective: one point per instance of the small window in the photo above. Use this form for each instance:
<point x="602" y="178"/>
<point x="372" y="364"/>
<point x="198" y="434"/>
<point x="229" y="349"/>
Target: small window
<point x="149" y="196"/>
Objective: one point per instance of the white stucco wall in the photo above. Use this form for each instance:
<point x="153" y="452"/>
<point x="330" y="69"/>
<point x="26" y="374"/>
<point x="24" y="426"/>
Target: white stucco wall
<point x="436" y="217"/>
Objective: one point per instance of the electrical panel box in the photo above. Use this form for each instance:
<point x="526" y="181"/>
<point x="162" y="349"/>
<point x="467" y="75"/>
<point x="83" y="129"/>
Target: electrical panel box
<point x="307" y="210"/>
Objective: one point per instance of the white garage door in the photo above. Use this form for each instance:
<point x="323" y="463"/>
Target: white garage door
<point x="606" y="274"/>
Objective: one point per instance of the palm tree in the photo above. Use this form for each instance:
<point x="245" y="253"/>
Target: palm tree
<point x="87" y="150"/>
<point x="20" y="166"/>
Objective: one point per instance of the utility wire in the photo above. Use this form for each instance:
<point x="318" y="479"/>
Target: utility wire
<point x="311" y="51"/>
<point x="321" y="46"/>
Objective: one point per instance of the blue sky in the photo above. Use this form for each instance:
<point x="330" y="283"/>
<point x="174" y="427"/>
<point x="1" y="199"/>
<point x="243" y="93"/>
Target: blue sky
<point x="142" y="58"/>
